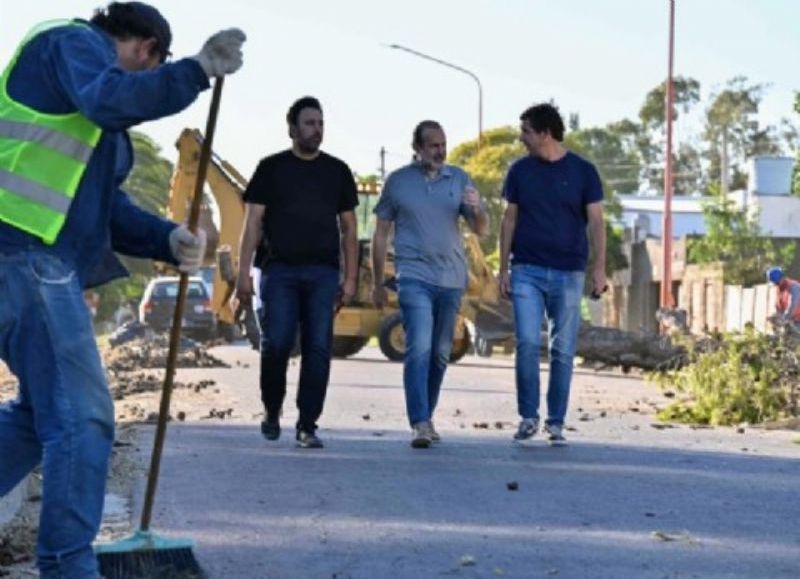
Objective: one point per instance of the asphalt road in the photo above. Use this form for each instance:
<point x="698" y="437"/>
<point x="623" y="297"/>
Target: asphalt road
<point x="624" y="499"/>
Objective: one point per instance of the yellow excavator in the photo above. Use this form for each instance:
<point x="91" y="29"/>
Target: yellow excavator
<point x="355" y="324"/>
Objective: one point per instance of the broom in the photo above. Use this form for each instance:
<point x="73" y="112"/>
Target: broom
<point x="145" y="554"/>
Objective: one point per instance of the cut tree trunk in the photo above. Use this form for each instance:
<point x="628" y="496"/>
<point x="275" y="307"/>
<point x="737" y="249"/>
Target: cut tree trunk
<point x="613" y="347"/>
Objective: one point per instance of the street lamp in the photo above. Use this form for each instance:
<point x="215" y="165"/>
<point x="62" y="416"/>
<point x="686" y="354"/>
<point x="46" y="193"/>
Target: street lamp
<point x="667" y="299"/>
<point x="460" y="69"/>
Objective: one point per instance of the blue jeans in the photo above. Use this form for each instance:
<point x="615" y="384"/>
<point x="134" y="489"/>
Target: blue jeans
<point x="63" y="416"/>
<point x="292" y="295"/>
<point x="538" y="292"/>
<point x="429" y="318"/>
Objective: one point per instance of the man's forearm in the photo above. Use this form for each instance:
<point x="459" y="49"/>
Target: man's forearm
<point x="251" y="237"/>
<point x="350" y="242"/>
<point x="506" y="235"/>
<point x="598" y="234"/>
<point x="378" y="259"/>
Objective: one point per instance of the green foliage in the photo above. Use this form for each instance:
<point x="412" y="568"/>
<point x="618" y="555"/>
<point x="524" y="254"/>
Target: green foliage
<point x="685" y="94"/>
<point x="732" y="130"/>
<point x="746" y="377"/>
<point x="149" y="181"/>
<point x="617" y="164"/>
<point x="733" y="237"/>
<point x="148" y="186"/>
<point x="650" y="137"/>
<point x="488" y="167"/>
<point x="121" y="291"/>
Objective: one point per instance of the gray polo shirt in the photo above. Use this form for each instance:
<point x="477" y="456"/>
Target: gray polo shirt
<point x="425" y="211"/>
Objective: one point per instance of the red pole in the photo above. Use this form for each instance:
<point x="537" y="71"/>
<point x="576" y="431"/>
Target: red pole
<point x="667" y="300"/>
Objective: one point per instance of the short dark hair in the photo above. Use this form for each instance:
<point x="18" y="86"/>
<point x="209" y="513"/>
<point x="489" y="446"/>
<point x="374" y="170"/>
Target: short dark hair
<point x="545" y="117"/>
<point x="417" y="138"/>
<point x="306" y="102"/>
<point x="125" y="20"/>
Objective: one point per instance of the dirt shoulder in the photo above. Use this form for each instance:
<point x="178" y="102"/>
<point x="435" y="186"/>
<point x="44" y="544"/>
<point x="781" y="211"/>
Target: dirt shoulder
<point x="135" y="375"/>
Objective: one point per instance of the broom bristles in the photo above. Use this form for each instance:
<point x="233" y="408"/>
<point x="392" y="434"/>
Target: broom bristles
<point x="150" y="564"/>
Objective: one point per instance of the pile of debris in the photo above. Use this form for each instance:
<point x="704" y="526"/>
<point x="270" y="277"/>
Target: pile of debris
<point x="17" y="543"/>
<point x="152" y="353"/>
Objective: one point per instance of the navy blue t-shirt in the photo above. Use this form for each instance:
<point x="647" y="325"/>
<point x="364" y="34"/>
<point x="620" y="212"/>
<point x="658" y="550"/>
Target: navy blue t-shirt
<point x="551" y="199"/>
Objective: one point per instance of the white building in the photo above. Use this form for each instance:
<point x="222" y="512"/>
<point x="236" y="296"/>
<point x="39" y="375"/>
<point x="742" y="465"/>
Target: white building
<point x="645" y="214"/>
<point x="768" y="193"/>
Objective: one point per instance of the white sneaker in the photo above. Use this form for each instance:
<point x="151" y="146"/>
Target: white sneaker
<point x="555" y="434"/>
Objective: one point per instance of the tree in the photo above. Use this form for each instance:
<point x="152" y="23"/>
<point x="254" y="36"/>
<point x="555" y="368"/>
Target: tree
<point x="733" y="237"/>
<point x="617" y="164"/>
<point x="488" y="166"/>
<point x="651" y="140"/>
<point x="685" y="94"/>
<point x="148" y="185"/>
<point x="733" y="134"/>
<point x="149" y="181"/>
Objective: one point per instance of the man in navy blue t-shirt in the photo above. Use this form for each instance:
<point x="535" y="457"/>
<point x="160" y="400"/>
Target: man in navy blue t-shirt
<point x="553" y="195"/>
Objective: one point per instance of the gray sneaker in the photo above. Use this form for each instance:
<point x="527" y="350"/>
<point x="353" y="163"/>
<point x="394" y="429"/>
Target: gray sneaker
<point x="526" y="430"/>
<point x="434" y="435"/>
<point x="555" y="435"/>
<point x="422" y="437"/>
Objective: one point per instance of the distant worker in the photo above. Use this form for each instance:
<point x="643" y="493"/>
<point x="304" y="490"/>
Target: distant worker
<point x="424" y="201"/>
<point x="553" y="197"/>
<point x="71" y="90"/>
<point x="300" y="213"/>
<point x="787" y="303"/>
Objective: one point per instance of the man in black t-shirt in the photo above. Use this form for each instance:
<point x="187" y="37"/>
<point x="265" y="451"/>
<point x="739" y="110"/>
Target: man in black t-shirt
<point x="297" y="203"/>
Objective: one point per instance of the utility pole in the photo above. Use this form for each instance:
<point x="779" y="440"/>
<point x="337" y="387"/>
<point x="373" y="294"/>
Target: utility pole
<point x="724" y="168"/>
<point x="667" y="300"/>
<point x="383" y="164"/>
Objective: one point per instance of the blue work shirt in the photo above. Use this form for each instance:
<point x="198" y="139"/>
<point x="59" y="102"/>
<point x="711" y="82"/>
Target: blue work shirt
<point x="73" y="68"/>
<point x="425" y="211"/>
<point x="551" y="199"/>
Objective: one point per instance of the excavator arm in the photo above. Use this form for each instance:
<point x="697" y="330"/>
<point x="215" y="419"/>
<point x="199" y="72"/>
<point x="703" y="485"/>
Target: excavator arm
<point x="227" y="186"/>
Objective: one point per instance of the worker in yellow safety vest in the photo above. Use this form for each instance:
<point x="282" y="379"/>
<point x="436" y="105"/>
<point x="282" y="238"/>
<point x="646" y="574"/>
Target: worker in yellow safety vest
<point x="67" y="96"/>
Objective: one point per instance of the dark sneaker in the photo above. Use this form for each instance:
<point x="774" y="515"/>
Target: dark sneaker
<point x="555" y="435"/>
<point x="526" y="430"/>
<point x="271" y="430"/>
<point x="421" y="438"/>
<point x="434" y="435"/>
<point x="308" y="439"/>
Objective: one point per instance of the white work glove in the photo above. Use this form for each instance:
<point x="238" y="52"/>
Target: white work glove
<point x="222" y="53"/>
<point x="188" y="248"/>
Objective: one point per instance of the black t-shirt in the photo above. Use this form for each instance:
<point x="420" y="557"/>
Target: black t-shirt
<point x="302" y="201"/>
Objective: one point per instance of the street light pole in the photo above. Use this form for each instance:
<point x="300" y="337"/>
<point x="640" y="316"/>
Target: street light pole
<point x="667" y="299"/>
<point x="458" y="68"/>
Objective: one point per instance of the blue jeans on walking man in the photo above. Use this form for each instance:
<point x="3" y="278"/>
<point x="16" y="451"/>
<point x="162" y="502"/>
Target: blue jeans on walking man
<point x="538" y="292"/>
<point x="63" y="416"/>
<point x="294" y="295"/>
<point x="429" y="318"/>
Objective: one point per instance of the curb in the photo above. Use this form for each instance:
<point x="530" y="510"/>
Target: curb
<point x="13" y="501"/>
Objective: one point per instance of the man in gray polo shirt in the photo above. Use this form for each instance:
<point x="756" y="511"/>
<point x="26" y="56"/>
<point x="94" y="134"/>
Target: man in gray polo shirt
<point x="424" y="201"/>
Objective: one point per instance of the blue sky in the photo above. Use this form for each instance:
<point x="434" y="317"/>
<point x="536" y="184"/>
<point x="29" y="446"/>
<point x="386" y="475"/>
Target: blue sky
<point x="594" y="57"/>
